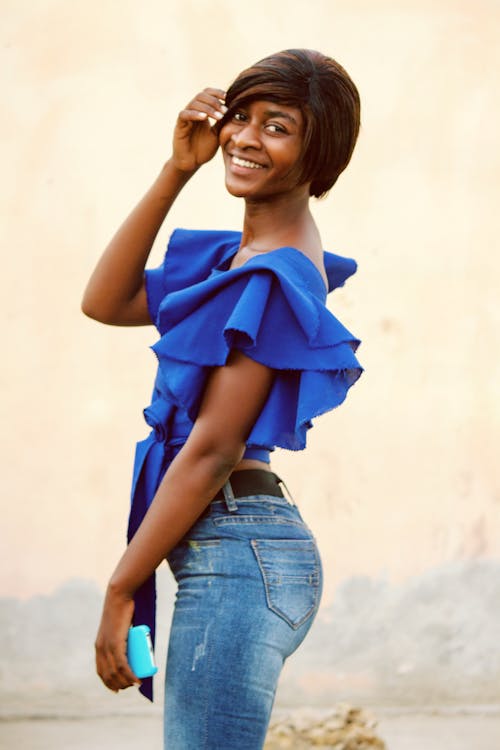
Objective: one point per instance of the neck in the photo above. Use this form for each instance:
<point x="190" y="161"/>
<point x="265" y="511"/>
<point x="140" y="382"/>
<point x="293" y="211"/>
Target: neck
<point x="283" y="221"/>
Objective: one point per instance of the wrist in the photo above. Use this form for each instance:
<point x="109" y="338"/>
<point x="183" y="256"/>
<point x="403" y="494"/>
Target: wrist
<point x="170" y="181"/>
<point x="118" y="590"/>
<point x="179" y="170"/>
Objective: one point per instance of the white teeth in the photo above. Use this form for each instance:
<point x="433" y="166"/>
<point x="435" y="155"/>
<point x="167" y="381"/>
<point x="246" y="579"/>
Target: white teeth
<point x="245" y="163"/>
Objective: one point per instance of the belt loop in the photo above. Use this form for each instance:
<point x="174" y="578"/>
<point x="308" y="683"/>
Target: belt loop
<point x="288" y="494"/>
<point x="229" y="497"/>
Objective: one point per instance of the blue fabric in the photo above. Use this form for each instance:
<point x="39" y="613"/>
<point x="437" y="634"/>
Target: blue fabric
<point x="272" y="308"/>
<point x="224" y="661"/>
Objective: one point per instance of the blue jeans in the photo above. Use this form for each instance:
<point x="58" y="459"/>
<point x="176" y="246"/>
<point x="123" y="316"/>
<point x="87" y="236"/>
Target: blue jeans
<point x="249" y="584"/>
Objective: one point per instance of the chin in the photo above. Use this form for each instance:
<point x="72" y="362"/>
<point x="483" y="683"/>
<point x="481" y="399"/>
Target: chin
<point x="237" y="191"/>
<point x="232" y="190"/>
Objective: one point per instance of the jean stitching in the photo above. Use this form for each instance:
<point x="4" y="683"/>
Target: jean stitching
<point x="236" y="520"/>
<point x="314" y="586"/>
<point x="207" y="717"/>
<point x="282" y="501"/>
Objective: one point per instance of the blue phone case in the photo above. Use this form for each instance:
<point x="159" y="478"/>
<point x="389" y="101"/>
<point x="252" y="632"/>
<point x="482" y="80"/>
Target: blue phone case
<point x="140" y="652"/>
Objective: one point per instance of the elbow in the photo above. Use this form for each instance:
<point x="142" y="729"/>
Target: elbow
<point x="89" y="312"/>
<point x="224" y="459"/>
<point x="218" y="460"/>
<point x="96" y="312"/>
<point x="87" y="309"/>
<point x="88" y="306"/>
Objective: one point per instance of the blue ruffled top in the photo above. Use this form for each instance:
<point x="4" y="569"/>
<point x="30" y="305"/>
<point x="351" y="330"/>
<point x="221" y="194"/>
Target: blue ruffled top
<point x="273" y="309"/>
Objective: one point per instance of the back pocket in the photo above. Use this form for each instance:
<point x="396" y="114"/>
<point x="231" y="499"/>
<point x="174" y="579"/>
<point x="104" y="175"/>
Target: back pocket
<point x="291" y="572"/>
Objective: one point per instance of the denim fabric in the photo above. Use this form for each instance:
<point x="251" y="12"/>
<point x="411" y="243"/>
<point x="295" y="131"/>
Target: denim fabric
<point x="249" y="584"/>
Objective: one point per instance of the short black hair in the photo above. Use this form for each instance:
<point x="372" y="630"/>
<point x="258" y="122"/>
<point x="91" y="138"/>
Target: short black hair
<point x="325" y="94"/>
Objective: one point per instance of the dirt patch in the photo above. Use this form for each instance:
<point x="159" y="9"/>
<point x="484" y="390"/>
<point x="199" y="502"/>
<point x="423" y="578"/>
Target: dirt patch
<point x="341" y="728"/>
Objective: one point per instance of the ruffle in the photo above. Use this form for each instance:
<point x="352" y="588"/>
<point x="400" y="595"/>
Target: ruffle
<point x="272" y="309"/>
<point x="192" y="254"/>
<point x="338" y="269"/>
<point x="190" y="257"/>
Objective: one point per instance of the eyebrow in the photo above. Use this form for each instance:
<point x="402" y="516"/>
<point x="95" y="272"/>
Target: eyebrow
<point x="280" y="113"/>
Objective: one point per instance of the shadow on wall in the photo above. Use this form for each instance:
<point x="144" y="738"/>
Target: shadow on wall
<point x="431" y="640"/>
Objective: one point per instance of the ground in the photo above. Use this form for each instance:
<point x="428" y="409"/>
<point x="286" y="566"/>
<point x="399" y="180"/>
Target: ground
<point x="464" y="729"/>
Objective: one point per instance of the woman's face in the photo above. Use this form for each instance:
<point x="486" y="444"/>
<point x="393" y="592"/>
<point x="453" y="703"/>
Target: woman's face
<point x="261" y="144"/>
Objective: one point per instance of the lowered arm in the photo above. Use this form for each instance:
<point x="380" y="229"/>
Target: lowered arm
<point x="233" y="399"/>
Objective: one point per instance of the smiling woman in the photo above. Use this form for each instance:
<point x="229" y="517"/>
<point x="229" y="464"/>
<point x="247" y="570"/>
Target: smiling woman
<point x="326" y="98"/>
<point x="226" y="394"/>
<point x="262" y="146"/>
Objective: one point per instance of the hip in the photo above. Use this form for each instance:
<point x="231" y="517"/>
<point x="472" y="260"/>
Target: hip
<point x="261" y="544"/>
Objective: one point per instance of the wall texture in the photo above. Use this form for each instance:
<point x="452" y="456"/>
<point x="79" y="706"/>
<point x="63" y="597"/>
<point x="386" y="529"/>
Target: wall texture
<point x="401" y="484"/>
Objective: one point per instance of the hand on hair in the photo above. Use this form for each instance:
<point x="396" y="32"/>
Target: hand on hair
<point x="195" y="139"/>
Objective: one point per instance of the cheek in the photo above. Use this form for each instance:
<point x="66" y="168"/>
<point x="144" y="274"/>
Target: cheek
<point x="225" y="133"/>
<point x="290" y="159"/>
<point x="298" y="160"/>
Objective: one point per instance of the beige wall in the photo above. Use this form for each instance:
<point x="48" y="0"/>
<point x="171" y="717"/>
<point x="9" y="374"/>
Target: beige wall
<point x="402" y="478"/>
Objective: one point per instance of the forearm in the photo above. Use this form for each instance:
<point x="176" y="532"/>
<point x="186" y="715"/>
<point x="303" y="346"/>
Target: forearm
<point x="118" y="276"/>
<point x="186" y="490"/>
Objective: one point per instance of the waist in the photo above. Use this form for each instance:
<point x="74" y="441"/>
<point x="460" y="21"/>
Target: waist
<point x="248" y="482"/>
<point x="172" y="427"/>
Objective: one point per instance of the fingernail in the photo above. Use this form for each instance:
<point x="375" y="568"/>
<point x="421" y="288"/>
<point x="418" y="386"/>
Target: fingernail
<point x="224" y="108"/>
<point x="218" y="115"/>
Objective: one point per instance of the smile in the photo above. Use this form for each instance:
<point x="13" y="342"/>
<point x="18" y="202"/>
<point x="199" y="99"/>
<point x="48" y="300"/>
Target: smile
<point x="245" y="163"/>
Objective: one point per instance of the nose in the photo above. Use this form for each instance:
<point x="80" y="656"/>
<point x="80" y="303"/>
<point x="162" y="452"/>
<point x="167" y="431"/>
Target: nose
<point x="246" y="136"/>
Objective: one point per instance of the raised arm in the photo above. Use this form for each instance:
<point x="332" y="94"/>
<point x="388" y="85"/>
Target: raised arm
<point x="115" y="293"/>
<point x="233" y="399"/>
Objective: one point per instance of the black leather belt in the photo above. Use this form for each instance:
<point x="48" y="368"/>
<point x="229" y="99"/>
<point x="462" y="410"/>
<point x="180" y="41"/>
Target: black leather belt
<point x="253" y="482"/>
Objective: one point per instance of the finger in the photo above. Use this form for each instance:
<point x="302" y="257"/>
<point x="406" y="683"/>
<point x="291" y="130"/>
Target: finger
<point x="116" y="678"/>
<point x="120" y="675"/>
<point x="191" y="115"/>
<point x="104" y="669"/>
<point x="200" y="111"/>
<point x="115" y="671"/>
<point x="217" y="93"/>
<point x="205" y="102"/>
<point x="126" y="677"/>
<point x="216" y="102"/>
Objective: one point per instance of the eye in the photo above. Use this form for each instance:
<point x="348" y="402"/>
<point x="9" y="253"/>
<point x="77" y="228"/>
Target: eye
<point x="273" y="127"/>
<point x="240" y="116"/>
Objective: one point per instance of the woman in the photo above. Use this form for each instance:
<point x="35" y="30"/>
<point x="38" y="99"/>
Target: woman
<point x="248" y="355"/>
